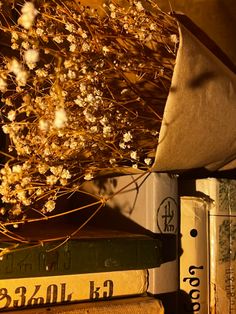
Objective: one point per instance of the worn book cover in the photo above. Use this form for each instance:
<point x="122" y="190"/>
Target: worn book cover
<point x="137" y="305"/>
<point x="194" y="261"/>
<point x="92" y="250"/>
<point x="222" y="237"/>
<point x="38" y="291"/>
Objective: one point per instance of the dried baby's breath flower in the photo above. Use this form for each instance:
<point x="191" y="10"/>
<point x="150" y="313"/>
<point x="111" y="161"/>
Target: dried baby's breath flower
<point x="51" y="180"/>
<point x="42" y="168"/>
<point x="17" y="68"/>
<point x="88" y="176"/>
<point x="60" y="118"/>
<point x="17" y="211"/>
<point x="31" y="58"/>
<point x="84" y="93"/>
<point x="2" y="211"/>
<point x="28" y="15"/>
<point x="43" y="125"/>
<point x="58" y="39"/>
<point x="127" y="137"/>
<point x="122" y="145"/>
<point x="11" y="115"/>
<point x="148" y="161"/>
<point x="139" y="6"/>
<point x="174" y="38"/>
<point x="41" y="73"/>
<point x="50" y="206"/>
<point x="65" y="174"/>
<point x="134" y="155"/>
<point x="3" y="85"/>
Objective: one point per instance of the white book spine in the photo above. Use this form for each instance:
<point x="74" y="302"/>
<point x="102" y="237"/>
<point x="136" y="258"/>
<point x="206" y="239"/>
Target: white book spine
<point x="194" y="270"/>
<point x="222" y="238"/>
<point x="22" y="292"/>
<point x="152" y="202"/>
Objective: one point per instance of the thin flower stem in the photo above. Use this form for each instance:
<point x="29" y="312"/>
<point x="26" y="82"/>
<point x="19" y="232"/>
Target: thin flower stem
<point x="52" y="216"/>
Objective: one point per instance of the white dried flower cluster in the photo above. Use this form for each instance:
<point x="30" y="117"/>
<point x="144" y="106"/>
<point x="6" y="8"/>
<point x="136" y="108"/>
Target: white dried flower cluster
<point x="28" y="15"/>
<point x="3" y="85"/>
<point x="80" y="93"/>
<point x="60" y="118"/>
<point x="31" y="58"/>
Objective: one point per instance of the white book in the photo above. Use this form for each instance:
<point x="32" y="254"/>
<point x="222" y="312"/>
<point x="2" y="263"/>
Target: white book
<point x="151" y="201"/>
<point x="194" y="260"/>
<point x="222" y="233"/>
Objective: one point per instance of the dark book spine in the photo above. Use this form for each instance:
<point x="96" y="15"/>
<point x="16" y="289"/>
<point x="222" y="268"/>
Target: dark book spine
<point x="82" y="256"/>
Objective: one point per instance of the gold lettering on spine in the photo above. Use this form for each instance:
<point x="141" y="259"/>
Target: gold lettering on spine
<point x="94" y="294"/>
<point x="109" y="284"/>
<point x="51" y="294"/>
<point x="4" y="295"/>
<point x="63" y="293"/>
<point x="22" y="291"/>
<point x="33" y="300"/>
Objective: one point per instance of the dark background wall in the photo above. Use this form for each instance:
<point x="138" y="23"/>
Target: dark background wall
<point x="216" y="17"/>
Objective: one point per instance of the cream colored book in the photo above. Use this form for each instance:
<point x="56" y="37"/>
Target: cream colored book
<point x="151" y="201"/>
<point x="222" y="237"/>
<point x="194" y="260"/>
<point x="137" y="305"/>
<point x="38" y="291"/>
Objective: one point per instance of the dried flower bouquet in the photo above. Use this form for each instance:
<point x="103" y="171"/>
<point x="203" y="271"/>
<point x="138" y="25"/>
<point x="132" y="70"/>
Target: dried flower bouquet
<point x="82" y="92"/>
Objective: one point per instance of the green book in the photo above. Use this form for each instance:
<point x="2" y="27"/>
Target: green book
<point x="92" y="251"/>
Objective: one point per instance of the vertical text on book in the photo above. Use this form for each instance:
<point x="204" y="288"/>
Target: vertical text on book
<point x="194" y="292"/>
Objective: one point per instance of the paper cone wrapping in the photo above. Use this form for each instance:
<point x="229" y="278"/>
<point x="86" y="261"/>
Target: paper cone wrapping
<point x="199" y="124"/>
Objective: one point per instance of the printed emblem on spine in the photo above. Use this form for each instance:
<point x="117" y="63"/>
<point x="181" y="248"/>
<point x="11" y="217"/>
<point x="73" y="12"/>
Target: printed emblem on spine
<point x="167" y="216"/>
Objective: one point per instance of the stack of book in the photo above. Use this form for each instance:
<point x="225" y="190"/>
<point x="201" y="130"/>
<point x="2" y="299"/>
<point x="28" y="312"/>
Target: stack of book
<point x="151" y="203"/>
<point x="129" y="259"/>
<point x="118" y="263"/>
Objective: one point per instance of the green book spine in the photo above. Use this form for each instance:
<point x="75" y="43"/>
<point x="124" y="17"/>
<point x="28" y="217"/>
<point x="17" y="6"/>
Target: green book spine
<point x="83" y="255"/>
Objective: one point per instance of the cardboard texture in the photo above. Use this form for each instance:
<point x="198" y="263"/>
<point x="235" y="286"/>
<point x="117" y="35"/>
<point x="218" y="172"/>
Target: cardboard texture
<point x="198" y="129"/>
